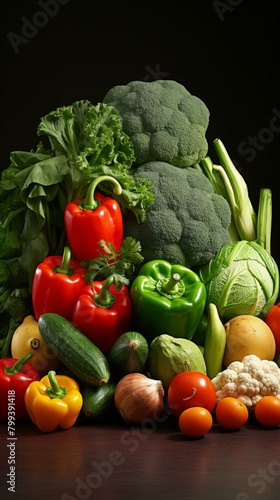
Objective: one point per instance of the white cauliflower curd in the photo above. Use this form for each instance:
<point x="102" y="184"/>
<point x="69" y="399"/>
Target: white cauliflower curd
<point x="248" y="380"/>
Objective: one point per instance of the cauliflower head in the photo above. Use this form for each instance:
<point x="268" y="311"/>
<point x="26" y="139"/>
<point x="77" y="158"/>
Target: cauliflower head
<point x="163" y="120"/>
<point x="187" y="223"/>
<point x="248" y="380"/>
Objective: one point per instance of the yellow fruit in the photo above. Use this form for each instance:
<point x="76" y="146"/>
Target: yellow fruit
<point x="27" y="338"/>
<point x="245" y="335"/>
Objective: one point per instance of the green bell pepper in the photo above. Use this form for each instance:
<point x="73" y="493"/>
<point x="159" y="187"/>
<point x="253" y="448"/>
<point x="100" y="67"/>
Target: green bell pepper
<point x="167" y="298"/>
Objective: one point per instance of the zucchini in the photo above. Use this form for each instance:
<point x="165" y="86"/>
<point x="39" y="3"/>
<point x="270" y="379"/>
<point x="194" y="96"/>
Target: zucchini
<point x="129" y="354"/>
<point x="98" y="402"/>
<point x="74" y="349"/>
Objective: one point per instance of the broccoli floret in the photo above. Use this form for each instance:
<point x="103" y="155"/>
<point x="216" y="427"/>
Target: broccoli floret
<point x="188" y="222"/>
<point x="163" y="120"/>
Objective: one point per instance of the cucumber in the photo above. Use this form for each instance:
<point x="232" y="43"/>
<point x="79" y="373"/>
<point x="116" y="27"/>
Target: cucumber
<point x="98" y="402"/>
<point x="74" y="349"/>
<point x="129" y="354"/>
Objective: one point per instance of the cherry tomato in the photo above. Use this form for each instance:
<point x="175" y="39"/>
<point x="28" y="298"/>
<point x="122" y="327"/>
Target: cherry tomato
<point x="188" y="389"/>
<point x="195" y="421"/>
<point x="231" y="413"/>
<point x="267" y="411"/>
<point x="272" y="319"/>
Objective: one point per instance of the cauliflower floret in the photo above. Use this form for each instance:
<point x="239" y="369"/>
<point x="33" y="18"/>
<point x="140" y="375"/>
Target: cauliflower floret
<point x="270" y="367"/>
<point x="230" y="389"/>
<point x="255" y="399"/>
<point x="269" y="385"/>
<point x="243" y="382"/>
<point x="246" y="400"/>
<point x="248" y="380"/>
<point x="247" y="360"/>
<point x="247" y="384"/>
<point x="253" y="366"/>
<point x="254" y="388"/>
<point x="236" y="366"/>
<point x="219" y="396"/>
<point x="224" y="378"/>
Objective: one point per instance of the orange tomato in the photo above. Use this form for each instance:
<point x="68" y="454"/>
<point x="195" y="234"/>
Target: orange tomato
<point x="231" y="413"/>
<point x="267" y="411"/>
<point x="195" y="421"/>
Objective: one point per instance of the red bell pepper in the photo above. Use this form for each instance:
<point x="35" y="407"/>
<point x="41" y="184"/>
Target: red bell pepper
<point x="103" y="312"/>
<point x="15" y="377"/>
<point x="272" y="319"/>
<point x="57" y="283"/>
<point x="95" y="218"/>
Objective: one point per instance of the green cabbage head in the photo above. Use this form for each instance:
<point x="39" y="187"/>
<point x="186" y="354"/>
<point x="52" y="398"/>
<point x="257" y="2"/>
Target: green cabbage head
<point x="242" y="278"/>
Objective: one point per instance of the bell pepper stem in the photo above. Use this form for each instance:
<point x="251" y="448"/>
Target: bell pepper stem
<point x="90" y="203"/>
<point x="104" y="298"/>
<point x="17" y="367"/>
<point x="55" y="391"/>
<point x="171" y="286"/>
<point x="64" y="265"/>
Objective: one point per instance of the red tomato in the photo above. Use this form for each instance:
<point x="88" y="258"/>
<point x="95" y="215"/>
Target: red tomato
<point x="195" y="421"/>
<point x="267" y="411"/>
<point x="188" y="389"/>
<point x="231" y="413"/>
<point x="272" y="319"/>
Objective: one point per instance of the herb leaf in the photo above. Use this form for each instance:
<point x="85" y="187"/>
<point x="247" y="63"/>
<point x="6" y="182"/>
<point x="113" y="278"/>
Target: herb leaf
<point x="122" y="263"/>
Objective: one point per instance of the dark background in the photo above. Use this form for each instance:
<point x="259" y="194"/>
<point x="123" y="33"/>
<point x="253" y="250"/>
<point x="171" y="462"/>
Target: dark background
<point x="225" y="52"/>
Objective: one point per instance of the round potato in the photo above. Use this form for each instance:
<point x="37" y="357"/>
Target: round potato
<point x="246" y="335"/>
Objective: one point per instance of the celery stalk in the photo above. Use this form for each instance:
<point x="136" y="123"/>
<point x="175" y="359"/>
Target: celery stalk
<point x="212" y="172"/>
<point x="226" y="180"/>
<point x="243" y="212"/>
<point x="264" y="221"/>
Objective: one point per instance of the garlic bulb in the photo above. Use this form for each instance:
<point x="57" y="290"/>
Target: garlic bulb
<point x="138" y="397"/>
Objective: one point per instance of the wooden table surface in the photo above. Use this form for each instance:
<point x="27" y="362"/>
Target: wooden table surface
<point x="117" y="461"/>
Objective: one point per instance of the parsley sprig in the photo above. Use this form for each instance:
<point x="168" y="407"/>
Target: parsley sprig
<point x="121" y="264"/>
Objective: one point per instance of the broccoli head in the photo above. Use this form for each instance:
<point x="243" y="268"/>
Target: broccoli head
<point x="163" y="120"/>
<point x="187" y="223"/>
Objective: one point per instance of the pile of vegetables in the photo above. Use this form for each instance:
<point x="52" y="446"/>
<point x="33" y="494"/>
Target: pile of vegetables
<point x="81" y="142"/>
<point x="128" y="260"/>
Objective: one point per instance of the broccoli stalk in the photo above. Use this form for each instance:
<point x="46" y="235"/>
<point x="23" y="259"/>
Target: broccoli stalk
<point x="227" y="181"/>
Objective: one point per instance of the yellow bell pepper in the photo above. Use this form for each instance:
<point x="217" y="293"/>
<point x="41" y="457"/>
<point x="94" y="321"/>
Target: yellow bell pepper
<point x="54" y="401"/>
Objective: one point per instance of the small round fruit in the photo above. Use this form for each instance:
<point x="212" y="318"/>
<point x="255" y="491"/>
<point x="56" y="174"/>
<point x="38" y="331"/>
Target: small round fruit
<point x="231" y="413"/>
<point x="195" y="422"/>
<point x="267" y="411"/>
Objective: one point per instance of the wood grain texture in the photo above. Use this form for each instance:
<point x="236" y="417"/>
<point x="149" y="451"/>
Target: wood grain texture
<point x="121" y="461"/>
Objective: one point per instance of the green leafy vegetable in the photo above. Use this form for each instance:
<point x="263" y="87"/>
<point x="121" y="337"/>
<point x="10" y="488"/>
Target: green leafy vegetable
<point x="242" y="278"/>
